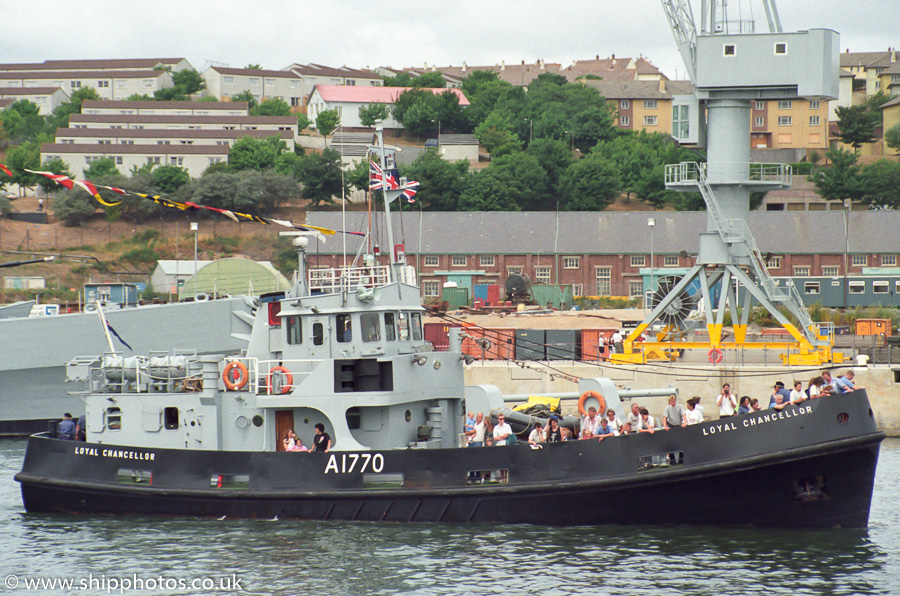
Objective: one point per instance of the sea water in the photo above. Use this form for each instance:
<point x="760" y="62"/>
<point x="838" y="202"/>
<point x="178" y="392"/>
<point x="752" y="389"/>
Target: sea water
<point x="209" y="556"/>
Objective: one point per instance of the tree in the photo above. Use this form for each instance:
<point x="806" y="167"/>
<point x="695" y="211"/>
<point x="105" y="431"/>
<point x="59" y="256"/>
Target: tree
<point x="892" y="137"/>
<point x="430" y="80"/>
<point x="60" y="116"/>
<point x="496" y="136"/>
<point x="487" y="190"/>
<point x="276" y="190"/>
<point x="138" y="97"/>
<point x="189" y="81"/>
<point x="168" y="179"/>
<point x="105" y="166"/>
<point x="274" y="106"/>
<point x="401" y="79"/>
<point x="246" y="96"/>
<point x="250" y="153"/>
<point x="856" y="125"/>
<point x="170" y="94"/>
<point x="73" y="206"/>
<point x="209" y="98"/>
<point x="589" y="184"/>
<point x="371" y="113"/>
<point x="881" y="184"/>
<point x="302" y="122"/>
<point x="253" y="67"/>
<point x="511" y="183"/>
<point x="27" y="155"/>
<point x="327" y="122"/>
<point x="21" y="121"/>
<point x="320" y="174"/>
<point x="554" y="156"/>
<point x="442" y="182"/>
<point x="841" y="180"/>
<point x="358" y="176"/>
<point x="414" y="109"/>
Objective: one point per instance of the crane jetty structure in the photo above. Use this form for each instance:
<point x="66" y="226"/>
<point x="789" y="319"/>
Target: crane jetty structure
<point x="730" y="65"/>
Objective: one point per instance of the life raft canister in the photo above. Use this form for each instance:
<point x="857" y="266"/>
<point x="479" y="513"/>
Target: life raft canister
<point x="715" y="355"/>
<point x="235" y="375"/>
<point x="601" y="402"/>
<point x="285" y="386"/>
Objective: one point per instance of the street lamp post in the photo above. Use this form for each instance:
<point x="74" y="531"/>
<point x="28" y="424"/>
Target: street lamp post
<point x="572" y="134"/>
<point x="651" y="223"/>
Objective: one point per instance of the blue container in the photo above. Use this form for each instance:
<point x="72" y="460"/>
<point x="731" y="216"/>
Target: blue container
<point x="481" y="291"/>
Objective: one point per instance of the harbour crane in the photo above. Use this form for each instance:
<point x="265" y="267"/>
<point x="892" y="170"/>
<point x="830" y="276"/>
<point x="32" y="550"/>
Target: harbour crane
<point x="730" y="65"/>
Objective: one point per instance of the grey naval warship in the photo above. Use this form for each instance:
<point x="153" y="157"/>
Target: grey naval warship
<point x="203" y="435"/>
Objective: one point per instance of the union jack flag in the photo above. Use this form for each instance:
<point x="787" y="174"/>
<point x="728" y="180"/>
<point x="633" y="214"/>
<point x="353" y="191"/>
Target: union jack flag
<point x="410" y="190"/>
<point x="377" y="178"/>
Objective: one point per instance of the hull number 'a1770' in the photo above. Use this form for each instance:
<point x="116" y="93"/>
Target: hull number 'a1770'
<point x="355" y="462"/>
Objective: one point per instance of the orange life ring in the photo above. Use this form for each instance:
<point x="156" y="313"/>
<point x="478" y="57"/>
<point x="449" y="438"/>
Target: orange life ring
<point x="232" y="382"/>
<point x="715" y="355"/>
<point x="601" y="402"/>
<point x="288" y="377"/>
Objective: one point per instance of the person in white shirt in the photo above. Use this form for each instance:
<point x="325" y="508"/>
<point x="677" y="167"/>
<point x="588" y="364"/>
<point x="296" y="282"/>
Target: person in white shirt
<point x="502" y="431"/>
<point x="829" y="380"/>
<point x="693" y="414"/>
<point x="645" y="423"/>
<point x="797" y="395"/>
<point x="477" y="440"/>
<point x="617" y="342"/>
<point x="590" y="423"/>
<point x="614" y="422"/>
<point x="536" y="437"/>
<point x="633" y="418"/>
<point x="726" y="401"/>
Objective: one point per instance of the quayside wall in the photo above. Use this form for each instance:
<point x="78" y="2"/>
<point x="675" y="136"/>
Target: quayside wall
<point x="882" y="382"/>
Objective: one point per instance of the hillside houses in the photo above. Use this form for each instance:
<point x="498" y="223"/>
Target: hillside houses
<point x="347" y="100"/>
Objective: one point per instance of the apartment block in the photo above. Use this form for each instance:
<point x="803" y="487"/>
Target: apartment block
<point x="194" y="158"/>
<point x="316" y="74"/>
<point x="225" y="83"/>
<point x="143" y="136"/>
<point x="46" y="99"/>
<point x="789" y="124"/>
<point x="109" y="84"/>
<point x="166" y="108"/>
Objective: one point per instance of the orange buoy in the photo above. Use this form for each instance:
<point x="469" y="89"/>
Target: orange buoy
<point x="288" y="378"/>
<point x="601" y="407"/>
<point x="235" y="375"/>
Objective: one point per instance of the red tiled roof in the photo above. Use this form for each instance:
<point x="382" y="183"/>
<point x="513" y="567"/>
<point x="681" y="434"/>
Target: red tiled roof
<point x="356" y="94"/>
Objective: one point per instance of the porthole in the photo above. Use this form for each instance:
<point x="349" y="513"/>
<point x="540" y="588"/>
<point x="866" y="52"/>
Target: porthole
<point x="843" y="418"/>
<point x="241" y="422"/>
<point x="257" y="420"/>
<point x="408" y="415"/>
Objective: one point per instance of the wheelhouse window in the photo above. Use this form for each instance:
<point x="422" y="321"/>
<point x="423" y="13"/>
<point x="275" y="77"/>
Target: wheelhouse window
<point x="344" y="328"/>
<point x="371" y="330"/>
<point x="416" y="323"/>
<point x="318" y="334"/>
<point x="114" y="418"/>
<point x="390" y="327"/>
<point x="293" y="330"/>
<point x="170" y="418"/>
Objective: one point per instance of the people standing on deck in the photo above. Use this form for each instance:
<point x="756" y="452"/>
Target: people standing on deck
<point x="693" y="414"/>
<point x="605" y="430"/>
<point x="797" y="395"/>
<point x="779" y="403"/>
<point x="503" y="434"/>
<point x="779" y="388"/>
<point x="817" y="388"/>
<point x="536" y="436"/>
<point x="321" y="442"/>
<point x="81" y="428"/>
<point x="614" y="422"/>
<point x="845" y="382"/>
<point x="66" y="428"/>
<point x="744" y="408"/>
<point x="727" y="402"/>
<point x="554" y="433"/>
<point x="632" y="418"/>
<point x="469" y="427"/>
<point x="830" y="381"/>
<point x="590" y="423"/>
<point x="673" y="416"/>
<point x="754" y="405"/>
<point x="477" y="438"/>
<point x="645" y="423"/>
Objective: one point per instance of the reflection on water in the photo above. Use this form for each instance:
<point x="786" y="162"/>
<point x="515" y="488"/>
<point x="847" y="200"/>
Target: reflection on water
<point x="343" y="558"/>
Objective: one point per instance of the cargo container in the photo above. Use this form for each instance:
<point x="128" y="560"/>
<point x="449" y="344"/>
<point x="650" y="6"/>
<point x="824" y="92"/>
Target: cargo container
<point x="439" y="335"/>
<point x="873" y="327"/>
<point x="558" y="297"/>
<point x="530" y="344"/>
<point x="455" y="297"/>
<point x="493" y="295"/>
<point x="562" y="344"/>
<point x="592" y="347"/>
<point x="503" y="343"/>
<point x="480" y="291"/>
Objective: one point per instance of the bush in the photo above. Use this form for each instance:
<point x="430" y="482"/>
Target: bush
<point x="140" y="256"/>
<point x="803" y="168"/>
<point x="145" y="236"/>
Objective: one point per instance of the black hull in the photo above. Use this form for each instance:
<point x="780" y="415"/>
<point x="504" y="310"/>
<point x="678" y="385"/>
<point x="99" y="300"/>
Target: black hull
<point x="799" y="477"/>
